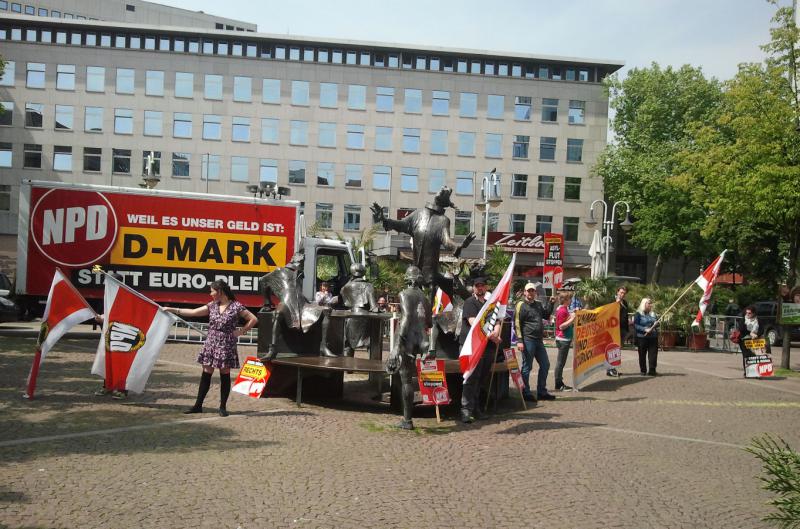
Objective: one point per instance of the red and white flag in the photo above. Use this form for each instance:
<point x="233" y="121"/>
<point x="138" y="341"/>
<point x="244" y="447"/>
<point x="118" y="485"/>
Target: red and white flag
<point x="490" y="315"/>
<point x="135" y="329"/>
<point x="65" y="308"/>
<point x="706" y="281"/>
<point x="441" y="302"/>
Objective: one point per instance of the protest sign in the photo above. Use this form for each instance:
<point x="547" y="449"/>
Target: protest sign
<point x="513" y="368"/>
<point x="432" y="382"/>
<point x="790" y="314"/>
<point x="252" y="378"/>
<point x="597" y="341"/>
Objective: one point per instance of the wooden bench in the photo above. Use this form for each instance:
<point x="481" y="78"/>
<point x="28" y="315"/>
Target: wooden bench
<point x="304" y="364"/>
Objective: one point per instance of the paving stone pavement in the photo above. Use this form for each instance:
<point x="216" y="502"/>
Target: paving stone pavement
<point x="632" y="452"/>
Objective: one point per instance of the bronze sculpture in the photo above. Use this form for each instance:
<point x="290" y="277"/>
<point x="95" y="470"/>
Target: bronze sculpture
<point x="359" y="296"/>
<point x="415" y="319"/>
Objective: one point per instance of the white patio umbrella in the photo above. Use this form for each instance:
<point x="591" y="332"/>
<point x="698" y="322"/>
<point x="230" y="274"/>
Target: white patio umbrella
<point x="596" y="252"/>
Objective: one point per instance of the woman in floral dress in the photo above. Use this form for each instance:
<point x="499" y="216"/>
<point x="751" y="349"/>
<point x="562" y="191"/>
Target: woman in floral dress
<point x="219" y="349"/>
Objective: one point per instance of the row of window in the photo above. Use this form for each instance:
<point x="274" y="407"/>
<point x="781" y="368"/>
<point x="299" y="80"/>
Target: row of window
<point x="327" y="133"/>
<point x="328" y="95"/>
<point x="410" y="60"/>
<point x="326" y="172"/>
<point x="16" y="7"/>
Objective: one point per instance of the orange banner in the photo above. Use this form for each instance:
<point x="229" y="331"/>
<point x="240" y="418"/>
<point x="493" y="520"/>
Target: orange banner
<point x="597" y="341"/>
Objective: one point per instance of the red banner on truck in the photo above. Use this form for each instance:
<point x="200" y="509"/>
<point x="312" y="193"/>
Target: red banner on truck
<point x="167" y="245"/>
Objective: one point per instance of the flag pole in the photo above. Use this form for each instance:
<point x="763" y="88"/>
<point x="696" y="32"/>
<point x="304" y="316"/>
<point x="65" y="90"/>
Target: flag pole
<point x="33" y="375"/>
<point x="521" y="394"/>
<point x="675" y="302"/>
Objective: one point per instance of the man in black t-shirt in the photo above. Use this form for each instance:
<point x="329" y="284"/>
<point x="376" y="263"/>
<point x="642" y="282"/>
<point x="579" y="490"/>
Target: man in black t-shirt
<point x="470" y="408"/>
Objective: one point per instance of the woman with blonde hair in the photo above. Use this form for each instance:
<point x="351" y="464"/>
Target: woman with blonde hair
<point x="646" y="324"/>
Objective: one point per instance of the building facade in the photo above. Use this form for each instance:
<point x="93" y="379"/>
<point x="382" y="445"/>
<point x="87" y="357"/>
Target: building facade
<point x="342" y="124"/>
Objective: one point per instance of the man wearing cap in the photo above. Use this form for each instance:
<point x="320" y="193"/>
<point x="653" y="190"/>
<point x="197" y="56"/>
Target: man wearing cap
<point x="529" y="317"/>
<point x="470" y="408"/>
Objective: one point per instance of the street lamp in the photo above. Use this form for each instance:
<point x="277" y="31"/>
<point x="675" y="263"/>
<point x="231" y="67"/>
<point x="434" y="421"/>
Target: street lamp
<point x="608" y="224"/>
<point x="490" y="198"/>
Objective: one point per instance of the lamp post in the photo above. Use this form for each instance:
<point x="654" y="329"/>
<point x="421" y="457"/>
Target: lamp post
<point x="490" y="197"/>
<point x="608" y="224"/>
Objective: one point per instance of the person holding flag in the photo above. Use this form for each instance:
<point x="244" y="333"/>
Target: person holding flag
<point x="219" y="348"/>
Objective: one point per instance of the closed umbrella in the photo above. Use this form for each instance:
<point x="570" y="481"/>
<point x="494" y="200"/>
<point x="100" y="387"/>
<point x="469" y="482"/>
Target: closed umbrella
<point x="596" y="253"/>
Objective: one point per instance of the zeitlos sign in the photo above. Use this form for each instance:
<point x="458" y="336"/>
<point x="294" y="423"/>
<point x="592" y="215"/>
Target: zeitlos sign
<point x="169" y="246"/>
<point x="517" y="242"/>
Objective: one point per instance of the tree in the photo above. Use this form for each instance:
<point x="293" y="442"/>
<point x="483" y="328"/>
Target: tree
<point x="653" y="109"/>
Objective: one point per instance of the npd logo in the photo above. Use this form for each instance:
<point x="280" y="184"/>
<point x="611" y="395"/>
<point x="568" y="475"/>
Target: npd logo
<point x="72" y="227"/>
<point x="123" y="338"/>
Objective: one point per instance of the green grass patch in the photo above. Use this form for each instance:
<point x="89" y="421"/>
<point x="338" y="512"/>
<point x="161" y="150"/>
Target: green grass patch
<point x="418" y="430"/>
<point x="782" y="372"/>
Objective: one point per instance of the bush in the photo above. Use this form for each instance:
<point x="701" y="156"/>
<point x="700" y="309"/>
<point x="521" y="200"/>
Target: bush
<point x="782" y="469"/>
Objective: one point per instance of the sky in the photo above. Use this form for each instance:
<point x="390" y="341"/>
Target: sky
<point x="716" y="35"/>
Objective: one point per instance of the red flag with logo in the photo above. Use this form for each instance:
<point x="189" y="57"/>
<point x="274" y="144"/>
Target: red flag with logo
<point x="65" y="308"/>
<point x="441" y="302"/>
<point x="706" y="281"/>
<point x="490" y="315"/>
<point x="135" y="329"/>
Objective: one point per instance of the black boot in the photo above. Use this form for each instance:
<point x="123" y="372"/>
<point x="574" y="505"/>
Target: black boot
<point x="224" y="391"/>
<point x="205" y="383"/>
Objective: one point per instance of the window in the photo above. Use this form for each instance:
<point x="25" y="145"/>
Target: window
<point x="105" y="41"/>
<point x="121" y="161"/>
<point x="463" y="222"/>
<point x="461" y="66"/>
<point x="154" y="83"/>
<point x="16" y="7"/>
<point x="298" y="132"/>
<point x="353" y="175"/>
<point x="328" y="95"/>
<point x="468" y="107"/>
<point x="151" y="160"/>
<point x="35" y="75"/>
<point x="413" y="101"/>
<point x="495" y="107"/>
<point x="570" y="75"/>
<point x="547" y="148"/>
<point x="210" y="167"/>
<point x="466" y="144"/>
<point x="494" y="221"/>
<point x="182" y="125"/>
<point x="494" y="145"/>
<point x="62" y="158"/>
<point x="384" y="99"/>
<point x="572" y="188"/>
<point x="243" y="89"/>
<point x="544" y="223"/>
<point x="125" y="80"/>
<point x="180" y="164"/>
<point x="521" y="144"/>
<point x="300" y="93"/>
<point x="393" y="61"/>
<point x="438" y="142"/>
<point x="213" y="87"/>
<point x="65" y="117"/>
<point x="351" y="57"/>
<point x="280" y="52"/>
<point x="92" y="158"/>
<point x="336" y="57"/>
<point x="93" y="119"/>
<point x="119" y="41"/>
<point x="570" y="228"/>
<point x="356" y="97"/>
<point x="297" y="172"/>
<point x="550" y="110"/>
<point x="33" y="115"/>
<point x="7" y="79"/>
<point x="355" y="136"/>
<point x="240" y="129"/>
<point x="294" y="54"/>
<point x="268" y="171"/>
<point x="6" y="155"/>
<point x="522" y="108"/>
<point x="308" y="54"/>
<point x="410" y="140"/>
<point x="208" y="47"/>
<point x="65" y="77"/>
<point x="153" y="123"/>
<point x="583" y="74"/>
<point x="327" y="134"/>
<point x="352" y="218"/>
<point x="436" y="180"/>
<point x="421" y="62"/>
<point x="409" y="179"/>
<point x="546" y="184"/>
<point x="519" y="185"/>
<point x="383" y="138"/>
<point x="269" y="130"/>
<point x="271" y="91"/>
<point x="440" y="105"/>
<point x="517" y="222"/>
<point x="7" y="114"/>
<point x="324" y="215"/>
<point x="123" y="121"/>
<point x="577" y="111"/>
<point x="184" y="84"/>
<point x="31" y="156"/>
<point x="574" y="150"/>
<point x="544" y="72"/>
<point x="212" y="127"/>
<point x="464" y="180"/>
<point x="325" y="174"/>
<point x="382" y="177"/>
